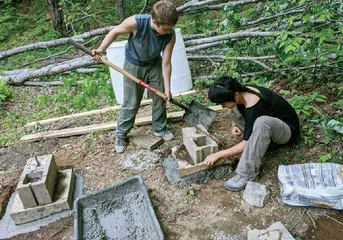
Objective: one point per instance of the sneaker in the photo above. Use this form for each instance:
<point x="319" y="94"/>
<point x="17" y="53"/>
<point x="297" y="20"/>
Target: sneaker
<point x="237" y="183"/>
<point x="120" y="145"/>
<point x="164" y="134"/>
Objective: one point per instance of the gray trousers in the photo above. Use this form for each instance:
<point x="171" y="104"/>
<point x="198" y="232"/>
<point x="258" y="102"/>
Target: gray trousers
<point x="133" y="94"/>
<point x="265" y="130"/>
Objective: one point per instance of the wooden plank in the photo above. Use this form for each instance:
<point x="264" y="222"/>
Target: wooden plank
<point x="189" y="170"/>
<point x="98" y="127"/>
<point x="97" y="111"/>
<point x="92" y="128"/>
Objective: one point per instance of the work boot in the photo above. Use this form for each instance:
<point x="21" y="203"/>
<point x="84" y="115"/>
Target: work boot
<point x="237" y="183"/>
<point x="164" y="134"/>
<point x="120" y="145"/>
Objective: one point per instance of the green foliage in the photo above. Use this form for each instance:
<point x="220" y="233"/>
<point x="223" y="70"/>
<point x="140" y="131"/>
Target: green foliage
<point x="325" y="158"/>
<point x="94" y="91"/>
<point x="311" y="116"/>
<point x="190" y="191"/>
<point x="299" y="42"/>
<point x="5" y="93"/>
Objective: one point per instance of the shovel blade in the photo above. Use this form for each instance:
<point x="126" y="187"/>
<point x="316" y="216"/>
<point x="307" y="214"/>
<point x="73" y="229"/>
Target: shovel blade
<point x="199" y="114"/>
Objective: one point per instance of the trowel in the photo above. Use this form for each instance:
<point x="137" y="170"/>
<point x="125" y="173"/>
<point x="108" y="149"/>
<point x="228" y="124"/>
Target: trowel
<point x="195" y="113"/>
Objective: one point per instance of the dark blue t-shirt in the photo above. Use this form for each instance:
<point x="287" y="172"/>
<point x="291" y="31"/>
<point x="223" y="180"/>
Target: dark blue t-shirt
<point x="144" y="48"/>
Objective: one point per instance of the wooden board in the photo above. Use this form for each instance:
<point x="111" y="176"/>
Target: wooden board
<point x="98" y="111"/>
<point x="189" y="170"/>
<point x="98" y="127"/>
<point x="91" y="128"/>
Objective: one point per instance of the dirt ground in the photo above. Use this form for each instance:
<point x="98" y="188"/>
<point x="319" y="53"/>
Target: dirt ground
<point x="212" y="213"/>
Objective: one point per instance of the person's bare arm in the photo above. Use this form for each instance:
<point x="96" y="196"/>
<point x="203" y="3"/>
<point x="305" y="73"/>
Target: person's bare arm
<point x="129" y="25"/>
<point x="234" y="150"/>
<point x="167" y="67"/>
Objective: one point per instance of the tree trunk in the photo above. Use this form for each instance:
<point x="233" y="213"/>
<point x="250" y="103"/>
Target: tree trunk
<point x="120" y="9"/>
<point x="57" y="16"/>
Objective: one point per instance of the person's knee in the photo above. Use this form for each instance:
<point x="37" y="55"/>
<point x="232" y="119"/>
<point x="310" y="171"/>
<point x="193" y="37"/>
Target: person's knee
<point x="262" y="125"/>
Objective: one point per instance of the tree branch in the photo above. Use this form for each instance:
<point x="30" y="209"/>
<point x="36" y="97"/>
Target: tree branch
<point x="18" y="77"/>
<point x="53" y="43"/>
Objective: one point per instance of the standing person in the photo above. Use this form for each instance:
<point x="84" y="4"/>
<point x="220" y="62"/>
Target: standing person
<point x="262" y="116"/>
<point x="149" y="35"/>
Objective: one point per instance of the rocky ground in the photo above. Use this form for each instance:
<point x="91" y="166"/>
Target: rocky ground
<point x="211" y="212"/>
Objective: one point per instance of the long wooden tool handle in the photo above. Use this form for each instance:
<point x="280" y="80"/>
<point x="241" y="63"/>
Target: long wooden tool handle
<point x="122" y="71"/>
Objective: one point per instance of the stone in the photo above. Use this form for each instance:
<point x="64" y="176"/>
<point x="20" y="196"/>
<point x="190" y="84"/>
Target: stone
<point x="62" y="200"/>
<point x="276" y="231"/>
<point x="149" y="142"/>
<point x="255" y="194"/>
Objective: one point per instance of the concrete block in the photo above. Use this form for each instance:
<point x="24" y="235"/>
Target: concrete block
<point x="26" y="195"/>
<point x="198" y="145"/>
<point x="276" y="231"/>
<point x="255" y="194"/>
<point x="149" y="142"/>
<point x="37" y="182"/>
<point x="63" y="200"/>
<point x="44" y="189"/>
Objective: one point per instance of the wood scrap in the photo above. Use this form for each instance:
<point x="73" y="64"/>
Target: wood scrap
<point x="98" y="127"/>
<point x="191" y="169"/>
<point x="98" y="111"/>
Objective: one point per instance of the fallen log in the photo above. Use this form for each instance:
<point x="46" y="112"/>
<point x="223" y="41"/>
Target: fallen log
<point x="219" y="6"/>
<point x="18" y="77"/>
<point x="46" y="84"/>
<point x="194" y="3"/>
<point x="243" y="34"/>
<point x="53" y="43"/>
<point x="221" y="58"/>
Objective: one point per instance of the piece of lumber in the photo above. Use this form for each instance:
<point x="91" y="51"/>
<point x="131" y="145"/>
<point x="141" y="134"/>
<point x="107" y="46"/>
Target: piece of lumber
<point x="91" y="128"/>
<point x="191" y="169"/>
<point x="98" y="111"/>
<point x="98" y="127"/>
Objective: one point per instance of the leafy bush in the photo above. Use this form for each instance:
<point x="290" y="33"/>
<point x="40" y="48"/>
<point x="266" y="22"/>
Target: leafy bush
<point x="5" y="93"/>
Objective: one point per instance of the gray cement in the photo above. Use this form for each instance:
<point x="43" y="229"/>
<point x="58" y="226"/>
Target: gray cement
<point x="140" y="160"/>
<point x="9" y="229"/>
<point x="123" y="211"/>
<point x="170" y="165"/>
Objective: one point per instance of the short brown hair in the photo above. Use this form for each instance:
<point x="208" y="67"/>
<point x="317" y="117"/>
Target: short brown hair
<point x="164" y="13"/>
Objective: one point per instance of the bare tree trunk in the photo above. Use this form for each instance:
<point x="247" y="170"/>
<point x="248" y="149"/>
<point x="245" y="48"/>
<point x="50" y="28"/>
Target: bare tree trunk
<point x="53" y="43"/>
<point x="57" y="16"/>
<point x="120" y="9"/>
<point x="18" y="77"/>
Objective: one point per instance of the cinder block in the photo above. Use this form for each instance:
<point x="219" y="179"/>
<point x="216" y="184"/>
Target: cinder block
<point x="63" y="200"/>
<point x="37" y="182"/>
<point x="198" y="145"/>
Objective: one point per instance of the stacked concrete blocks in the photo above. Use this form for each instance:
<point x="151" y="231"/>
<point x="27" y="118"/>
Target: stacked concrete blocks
<point x="42" y="190"/>
<point x="197" y="144"/>
<point x="63" y="200"/>
<point x="37" y="182"/>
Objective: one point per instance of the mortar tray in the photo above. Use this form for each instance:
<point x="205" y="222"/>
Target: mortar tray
<point x="122" y="211"/>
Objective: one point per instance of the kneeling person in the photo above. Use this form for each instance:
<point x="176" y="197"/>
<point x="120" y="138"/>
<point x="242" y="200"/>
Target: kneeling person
<point x="262" y="116"/>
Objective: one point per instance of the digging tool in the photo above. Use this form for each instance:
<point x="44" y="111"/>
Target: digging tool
<point x="195" y="113"/>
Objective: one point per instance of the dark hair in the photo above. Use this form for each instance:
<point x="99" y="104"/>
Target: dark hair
<point x="224" y="89"/>
<point x="165" y="13"/>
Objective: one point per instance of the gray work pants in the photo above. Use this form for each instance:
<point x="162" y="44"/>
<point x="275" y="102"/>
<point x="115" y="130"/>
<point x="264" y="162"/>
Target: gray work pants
<point x="265" y="130"/>
<point x="133" y="94"/>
